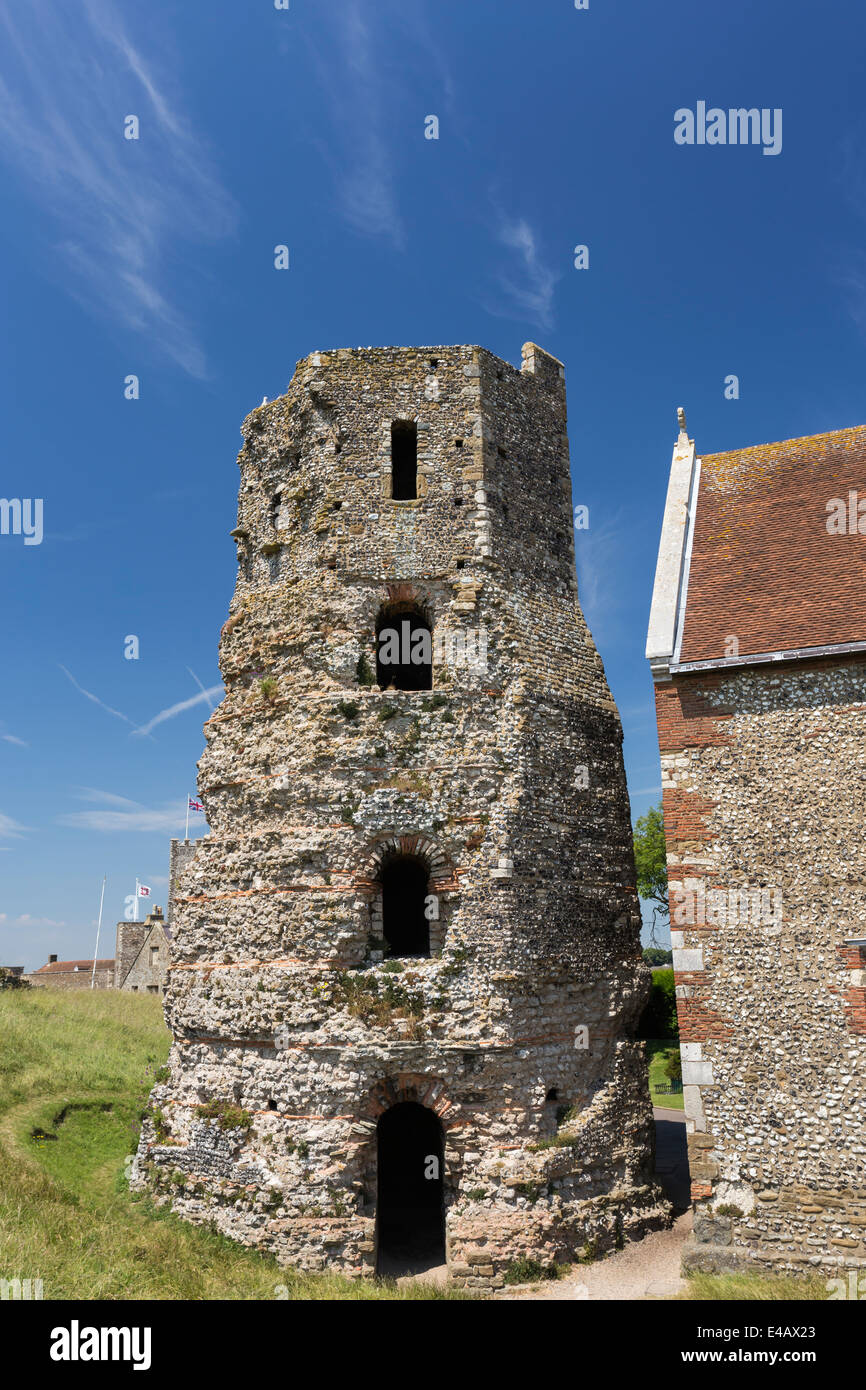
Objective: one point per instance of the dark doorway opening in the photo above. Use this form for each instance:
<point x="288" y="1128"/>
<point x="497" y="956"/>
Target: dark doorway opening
<point x="410" y="1209"/>
<point x="404" y="893"/>
<point x="404" y="652"/>
<point x="404" y="460"/>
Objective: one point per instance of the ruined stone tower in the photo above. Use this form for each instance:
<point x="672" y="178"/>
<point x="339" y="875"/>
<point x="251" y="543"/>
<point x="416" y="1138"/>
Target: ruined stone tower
<point x="407" y="971"/>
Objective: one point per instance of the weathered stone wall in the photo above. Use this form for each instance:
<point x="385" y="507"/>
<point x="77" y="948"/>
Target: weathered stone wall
<point x="764" y="789"/>
<point x="179" y="856"/>
<point x="72" y="979"/>
<point x="129" y="941"/>
<point x="149" y="971"/>
<point x="279" y="1001"/>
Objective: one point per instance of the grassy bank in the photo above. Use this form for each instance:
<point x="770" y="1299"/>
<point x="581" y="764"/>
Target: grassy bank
<point x="75" y="1073"/>
<point x="658" y="1050"/>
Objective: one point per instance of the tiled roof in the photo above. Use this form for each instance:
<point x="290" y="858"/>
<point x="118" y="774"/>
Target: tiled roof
<point x="57" y="967"/>
<point x="764" y="567"/>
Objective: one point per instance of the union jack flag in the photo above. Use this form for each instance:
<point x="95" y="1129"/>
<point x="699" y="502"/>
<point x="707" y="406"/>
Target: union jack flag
<point x="195" y="805"/>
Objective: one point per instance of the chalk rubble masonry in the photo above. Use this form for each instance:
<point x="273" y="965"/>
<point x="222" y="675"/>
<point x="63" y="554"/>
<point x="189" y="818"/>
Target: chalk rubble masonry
<point x="309" y="785"/>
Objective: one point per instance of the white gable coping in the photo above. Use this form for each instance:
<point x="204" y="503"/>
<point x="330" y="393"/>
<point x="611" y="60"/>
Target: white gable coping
<point x="671" y="567"/>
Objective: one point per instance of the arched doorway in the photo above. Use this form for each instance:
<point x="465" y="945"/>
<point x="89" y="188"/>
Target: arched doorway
<point x="405" y="926"/>
<point x="410" y="1210"/>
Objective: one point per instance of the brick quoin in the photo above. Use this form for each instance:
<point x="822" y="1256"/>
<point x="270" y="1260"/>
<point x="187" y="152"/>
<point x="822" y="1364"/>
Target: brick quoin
<point x="686" y="718"/>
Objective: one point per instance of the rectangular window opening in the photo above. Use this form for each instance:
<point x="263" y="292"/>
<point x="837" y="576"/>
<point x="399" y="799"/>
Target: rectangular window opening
<point x="404" y="460"/>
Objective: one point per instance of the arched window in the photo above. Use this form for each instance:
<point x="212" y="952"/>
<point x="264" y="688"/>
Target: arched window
<point x="404" y="650"/>
<point x="404" y="460"/>
<point x="405" y="928"/>
<point x="410" y="1211"/>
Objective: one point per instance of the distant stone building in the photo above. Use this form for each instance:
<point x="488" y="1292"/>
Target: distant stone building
<point x="406" y="966"/>
<point x="72" y="974"/>
<point x="179" y="858"/>
<point x="757" y="643"/>
<point x="142" y="954"/>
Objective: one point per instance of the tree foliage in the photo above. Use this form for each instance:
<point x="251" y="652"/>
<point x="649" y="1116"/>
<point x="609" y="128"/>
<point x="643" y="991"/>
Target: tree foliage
<point x="650" y="857"/>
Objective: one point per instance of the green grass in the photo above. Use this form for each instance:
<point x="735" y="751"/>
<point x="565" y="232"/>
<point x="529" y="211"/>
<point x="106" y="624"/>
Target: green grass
<point x="657" y="1051"/>
<point x="80" y="1066"/>
<point x="753" y="1287"/>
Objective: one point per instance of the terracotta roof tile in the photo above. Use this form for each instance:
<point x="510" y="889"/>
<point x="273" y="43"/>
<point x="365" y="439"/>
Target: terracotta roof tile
<point x="57" y="967"/>
<point x="764" y="567"/>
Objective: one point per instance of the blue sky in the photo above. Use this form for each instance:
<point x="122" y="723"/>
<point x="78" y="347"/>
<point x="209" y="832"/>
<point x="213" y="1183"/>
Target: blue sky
<point x="305" y="127"/>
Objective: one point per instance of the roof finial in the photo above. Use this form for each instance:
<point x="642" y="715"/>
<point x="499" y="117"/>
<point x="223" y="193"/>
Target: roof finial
<point x="681" y="417"/>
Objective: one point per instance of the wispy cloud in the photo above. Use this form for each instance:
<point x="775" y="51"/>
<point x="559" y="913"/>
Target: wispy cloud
<point x="9" y="828"/>
<point x="130" y="815"/>
<point x="95" y="698"/>
<point x="144" y="731"/>
<point x="10" y="738"/>
<point x="201" y="687"/>
<point x="350" y="73"/>
<point x="25" y="920"/>
<point x="108" y="798"/>
<point x="599" y="564"/>
<point x="122" y="207"/>
<point x="526" y="287"/>
<point x="180" y="707"/>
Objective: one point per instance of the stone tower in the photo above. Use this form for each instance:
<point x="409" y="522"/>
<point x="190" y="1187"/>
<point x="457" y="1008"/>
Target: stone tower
<point x="406" y="967"/>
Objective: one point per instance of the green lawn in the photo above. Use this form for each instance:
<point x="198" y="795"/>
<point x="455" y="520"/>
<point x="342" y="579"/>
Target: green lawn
<point x="79" y="1066"/>
<point x="657" y="1051"/>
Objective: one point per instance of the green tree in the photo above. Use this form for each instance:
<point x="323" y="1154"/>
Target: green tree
<point x="650" y="858"/>
<point x="657" y="955"/>
<point x="674" y="1065"/>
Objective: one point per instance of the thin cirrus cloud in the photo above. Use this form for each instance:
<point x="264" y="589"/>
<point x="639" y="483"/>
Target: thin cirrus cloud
<point x="348" y="70"/>
<point x="527" y="284"/>
<point x="9" y="828"/>
<point x="119" y="813"/>
<point x="10" y="738"/>
<point x="69" y="78"/>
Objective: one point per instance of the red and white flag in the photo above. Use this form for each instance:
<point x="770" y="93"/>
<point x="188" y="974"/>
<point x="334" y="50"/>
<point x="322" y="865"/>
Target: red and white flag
<point x="143" y="890"/>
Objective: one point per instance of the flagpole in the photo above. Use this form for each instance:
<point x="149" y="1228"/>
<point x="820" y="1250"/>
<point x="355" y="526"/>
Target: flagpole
<point x="135" y="905"/>
<point x="98" y="927"/>
<point x="186" y="832"/>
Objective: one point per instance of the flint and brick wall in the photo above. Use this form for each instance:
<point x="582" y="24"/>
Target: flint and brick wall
<point x="764" y="785"/>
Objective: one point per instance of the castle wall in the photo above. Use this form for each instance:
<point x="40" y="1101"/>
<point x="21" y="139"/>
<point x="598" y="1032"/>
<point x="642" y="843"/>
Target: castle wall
<point x="763" y="780"/>
<point x="72" y="979"/>
<point x="148" y="973"/>
<point x="129" y="941"/>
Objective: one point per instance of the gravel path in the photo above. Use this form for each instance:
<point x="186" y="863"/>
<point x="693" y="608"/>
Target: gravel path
<point x="648" y="1268"/>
